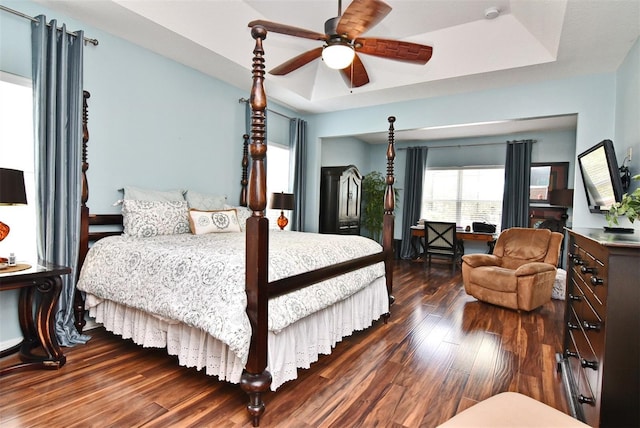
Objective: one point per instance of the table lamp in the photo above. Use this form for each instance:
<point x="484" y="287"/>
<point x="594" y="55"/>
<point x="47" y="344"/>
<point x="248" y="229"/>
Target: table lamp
<point x="12" y="192"/>
<point x="282" y="201"/>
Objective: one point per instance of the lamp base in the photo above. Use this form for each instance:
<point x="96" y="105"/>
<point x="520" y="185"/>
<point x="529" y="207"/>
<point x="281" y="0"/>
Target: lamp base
<point x="4" y="230"/>
<point x="282" y="221"/>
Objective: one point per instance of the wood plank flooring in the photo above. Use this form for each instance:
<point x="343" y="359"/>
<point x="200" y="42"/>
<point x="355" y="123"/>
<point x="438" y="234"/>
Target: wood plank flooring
<point x="441" y="352"/>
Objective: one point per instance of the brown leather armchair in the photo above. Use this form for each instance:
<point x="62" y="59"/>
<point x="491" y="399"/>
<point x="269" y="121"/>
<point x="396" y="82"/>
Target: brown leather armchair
<point x="519" y="274"/>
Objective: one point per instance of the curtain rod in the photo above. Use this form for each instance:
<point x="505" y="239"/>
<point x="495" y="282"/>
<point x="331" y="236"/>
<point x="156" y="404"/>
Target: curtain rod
<point x="467" y="145"/>
<point x="246" y="101"/>
<point x="94" y="42"/>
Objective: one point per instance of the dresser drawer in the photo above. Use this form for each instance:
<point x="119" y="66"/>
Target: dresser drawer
<point x="573" y="353"/>
<point x="585" y="396"/>
<point x="583" y="305"/>
<point x="587" y="357"/>
<point x="591" y="274"/>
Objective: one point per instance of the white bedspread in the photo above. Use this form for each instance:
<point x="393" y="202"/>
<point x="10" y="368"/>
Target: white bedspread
<point x="199" y="279"/>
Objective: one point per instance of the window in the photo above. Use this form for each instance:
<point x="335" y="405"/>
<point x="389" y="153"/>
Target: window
<point x="463" y="195"/>
<point x="277" y="177"/>
<point x="16" y="147"/>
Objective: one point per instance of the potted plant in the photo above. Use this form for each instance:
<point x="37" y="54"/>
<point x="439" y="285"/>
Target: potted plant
<point x="628" y="207"/>
<point x="373" y="188"/>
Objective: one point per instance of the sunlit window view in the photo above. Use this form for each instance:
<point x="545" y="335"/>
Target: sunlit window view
<point x="16" y="152"/>
<point x="277" y="178"/>
<point x="463" y="195"/>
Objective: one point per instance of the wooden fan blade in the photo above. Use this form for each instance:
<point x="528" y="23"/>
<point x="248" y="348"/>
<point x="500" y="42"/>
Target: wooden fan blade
<point x="297" y="62"/>
<point x="355" y="75"/>
<point x="360" y="16"/>
<point x="288" y="30"/>
<point x="394" y="49"/>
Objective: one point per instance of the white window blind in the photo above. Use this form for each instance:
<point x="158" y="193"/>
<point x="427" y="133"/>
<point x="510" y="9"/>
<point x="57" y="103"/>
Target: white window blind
<point x="463" y="195"/>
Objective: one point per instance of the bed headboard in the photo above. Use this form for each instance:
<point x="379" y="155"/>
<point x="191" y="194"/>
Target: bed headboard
<point x="111" y="224"/>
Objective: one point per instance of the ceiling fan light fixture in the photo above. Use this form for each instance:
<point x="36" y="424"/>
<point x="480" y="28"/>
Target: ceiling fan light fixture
<point x="338" y="56"/>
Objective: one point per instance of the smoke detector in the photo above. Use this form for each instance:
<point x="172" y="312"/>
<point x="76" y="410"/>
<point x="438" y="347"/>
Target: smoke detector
<point x="491" y="13"/>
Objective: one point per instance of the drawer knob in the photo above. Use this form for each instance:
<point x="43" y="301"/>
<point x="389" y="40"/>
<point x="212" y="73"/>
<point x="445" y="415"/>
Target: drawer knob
<point x="587" y="269"/>
<point x="574" y="298"/>
<point x="586" y="400"/>
<point x="570" y="354"/>
<point x="589" y="364"/>
<point x="591" y="325"/>
<point x="596" y="281"/>
<point x="576" y="259"/>
<point x="572" y="326"/>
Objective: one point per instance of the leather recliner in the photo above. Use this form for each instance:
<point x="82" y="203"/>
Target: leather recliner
<point x="519" y="274"/>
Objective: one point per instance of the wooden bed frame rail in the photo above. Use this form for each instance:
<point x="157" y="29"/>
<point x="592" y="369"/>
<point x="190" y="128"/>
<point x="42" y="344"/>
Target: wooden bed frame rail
<point x="255" y="379"/>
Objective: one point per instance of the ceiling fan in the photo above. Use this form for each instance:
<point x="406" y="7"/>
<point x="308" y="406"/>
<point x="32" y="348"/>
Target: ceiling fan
<point x="342" y="34"/>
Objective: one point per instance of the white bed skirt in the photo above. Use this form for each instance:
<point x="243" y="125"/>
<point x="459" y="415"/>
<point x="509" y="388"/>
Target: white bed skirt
<point x="296" y="346"/>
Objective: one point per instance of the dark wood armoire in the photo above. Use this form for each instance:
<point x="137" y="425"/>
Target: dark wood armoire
<point x="340" y="190"/>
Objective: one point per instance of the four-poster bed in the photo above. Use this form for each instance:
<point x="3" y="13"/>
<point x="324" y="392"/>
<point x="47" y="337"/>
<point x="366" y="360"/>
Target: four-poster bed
<point x="291" y="282"/>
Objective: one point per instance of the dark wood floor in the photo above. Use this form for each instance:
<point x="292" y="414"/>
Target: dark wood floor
<point x="441" y="352"/>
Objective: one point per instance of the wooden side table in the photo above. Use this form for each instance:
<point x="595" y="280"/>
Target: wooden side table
<point x="39" y="349"/>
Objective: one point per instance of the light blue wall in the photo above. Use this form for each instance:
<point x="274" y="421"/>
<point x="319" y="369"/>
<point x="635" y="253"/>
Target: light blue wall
<point x="152" y="122"/>
<point x="592" y="98"/>
<point x="346" y="151"/>
<point x="628" y="115"/>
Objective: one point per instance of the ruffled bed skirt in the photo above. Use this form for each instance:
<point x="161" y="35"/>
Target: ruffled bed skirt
<point x="294" y="347"/>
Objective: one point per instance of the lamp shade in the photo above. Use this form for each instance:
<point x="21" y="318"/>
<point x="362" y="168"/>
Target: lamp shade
<point x="12" y="191"/>
<point x="338" y="56"/>
<point x="282" y="201"/>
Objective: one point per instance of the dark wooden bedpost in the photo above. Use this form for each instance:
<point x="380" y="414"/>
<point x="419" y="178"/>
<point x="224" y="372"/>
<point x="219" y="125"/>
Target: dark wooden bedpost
<point x="78" y="301"/>
<point x="245" y="166"/>
<point x="389" y="217"/>
<point x="255" y="378"/>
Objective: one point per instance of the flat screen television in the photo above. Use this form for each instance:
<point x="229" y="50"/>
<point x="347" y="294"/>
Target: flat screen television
<point x="601" y="177"/>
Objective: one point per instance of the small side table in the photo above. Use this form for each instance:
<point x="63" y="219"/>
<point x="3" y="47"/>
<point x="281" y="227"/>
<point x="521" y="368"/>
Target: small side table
<point x="39" y="348"/>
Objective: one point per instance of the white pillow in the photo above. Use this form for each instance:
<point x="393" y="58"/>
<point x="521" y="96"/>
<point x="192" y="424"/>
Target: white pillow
<point x="141" y="194"/>
<point x="216" y="221"/>
<point x="143" y="219"/>
<point x="204" y="202"/>
<point x="243" y="214"/>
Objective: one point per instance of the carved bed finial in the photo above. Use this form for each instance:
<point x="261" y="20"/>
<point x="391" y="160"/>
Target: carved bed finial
<point x="389" y="195"/>
<point x="258" y="148"/>
<point x="78" y="300"/>
<point x="245" y="166"/>
<point x="85" y="138"/>
<point x="389" y="217"/>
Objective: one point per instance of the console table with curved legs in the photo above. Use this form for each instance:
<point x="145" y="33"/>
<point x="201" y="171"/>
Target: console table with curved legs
<point x="40" y="287"/>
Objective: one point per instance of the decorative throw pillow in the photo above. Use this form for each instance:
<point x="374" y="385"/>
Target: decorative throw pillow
<point x="204" y="202"/>
<point x="143" y="219"/>
<point x="243" y="214"/>
<point x="216" y="221"/>
<point x="141" y="194"/>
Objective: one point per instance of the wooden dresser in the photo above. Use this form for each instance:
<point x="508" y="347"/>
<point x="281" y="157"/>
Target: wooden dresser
<point x="340" y="200"/>
<point x="601" y="356"/>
